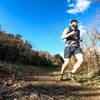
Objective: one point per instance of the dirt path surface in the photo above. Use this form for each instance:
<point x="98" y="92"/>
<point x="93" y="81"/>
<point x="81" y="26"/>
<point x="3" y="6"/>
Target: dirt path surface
<point x="44" y="85"/>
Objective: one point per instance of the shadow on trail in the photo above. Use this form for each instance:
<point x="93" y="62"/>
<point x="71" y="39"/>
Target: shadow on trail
<point x="51" y="90"/>
<point x="57" y="90"/>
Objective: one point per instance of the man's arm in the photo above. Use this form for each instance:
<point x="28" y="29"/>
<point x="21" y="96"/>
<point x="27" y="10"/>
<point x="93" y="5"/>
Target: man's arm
<point x="80" y="38"/>
<point x="65" y="35"/>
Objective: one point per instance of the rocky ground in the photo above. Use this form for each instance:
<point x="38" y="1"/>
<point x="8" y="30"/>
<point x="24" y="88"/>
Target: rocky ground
<point x="43" y="84"/>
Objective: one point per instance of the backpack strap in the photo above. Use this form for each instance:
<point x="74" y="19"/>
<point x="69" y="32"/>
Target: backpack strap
<point x="70" y="37"/>
<point x="70" y="29"/>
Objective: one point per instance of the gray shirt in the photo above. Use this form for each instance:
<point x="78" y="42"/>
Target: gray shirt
<point x="73" y="39"/>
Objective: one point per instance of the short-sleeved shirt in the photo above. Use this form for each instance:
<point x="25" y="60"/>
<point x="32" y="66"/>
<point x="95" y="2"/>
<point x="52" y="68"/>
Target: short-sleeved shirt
<point x="73" y="39"/>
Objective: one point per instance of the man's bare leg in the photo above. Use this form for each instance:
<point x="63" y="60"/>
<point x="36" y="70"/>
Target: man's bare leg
<point x="79" y="58"/>
<point x="64" y="66"/>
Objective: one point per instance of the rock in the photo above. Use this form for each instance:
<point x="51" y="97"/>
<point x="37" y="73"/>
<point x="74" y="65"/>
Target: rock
<point x="34" y="96"/>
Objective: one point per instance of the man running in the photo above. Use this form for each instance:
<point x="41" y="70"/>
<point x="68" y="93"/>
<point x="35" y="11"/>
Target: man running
<point x="71" y="36"/>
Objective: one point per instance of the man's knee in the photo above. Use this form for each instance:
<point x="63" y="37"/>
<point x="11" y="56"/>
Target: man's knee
<point x="66" y="61"/>
<point x="81" y="60"/>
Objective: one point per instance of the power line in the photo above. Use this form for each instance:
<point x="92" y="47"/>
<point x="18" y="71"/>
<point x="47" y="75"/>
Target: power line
<point x="50" y="30"/>
<point x="58" y="13"/>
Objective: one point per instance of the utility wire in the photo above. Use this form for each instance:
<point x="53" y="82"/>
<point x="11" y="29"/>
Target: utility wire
<point x="58" y="13"/>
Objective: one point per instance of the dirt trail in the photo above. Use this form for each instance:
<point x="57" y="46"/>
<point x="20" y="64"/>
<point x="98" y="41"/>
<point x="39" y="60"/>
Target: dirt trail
<point x="44" y="85"/>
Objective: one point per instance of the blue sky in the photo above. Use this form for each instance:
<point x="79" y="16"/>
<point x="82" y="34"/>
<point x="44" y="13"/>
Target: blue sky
<point x="41" y="21"/>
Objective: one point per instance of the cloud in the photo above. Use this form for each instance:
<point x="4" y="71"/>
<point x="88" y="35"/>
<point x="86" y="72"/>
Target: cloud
<point x="79" y="6"/>
<point x="71" y="5"/>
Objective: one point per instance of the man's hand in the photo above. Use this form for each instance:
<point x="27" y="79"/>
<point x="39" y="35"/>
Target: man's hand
<point x="81" y="40"/>
<point x="72" y="33"/>
<point x="64" y="36"/>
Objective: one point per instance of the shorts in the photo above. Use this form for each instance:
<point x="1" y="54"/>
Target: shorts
<point x="69" y="51"/>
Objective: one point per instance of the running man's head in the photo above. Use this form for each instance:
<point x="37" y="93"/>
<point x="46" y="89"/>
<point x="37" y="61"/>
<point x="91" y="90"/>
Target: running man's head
<point x="74" y="22"/>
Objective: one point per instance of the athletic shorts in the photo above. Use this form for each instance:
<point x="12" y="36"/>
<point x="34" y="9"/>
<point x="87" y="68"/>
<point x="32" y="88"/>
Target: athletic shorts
<point x="69" y="51"/>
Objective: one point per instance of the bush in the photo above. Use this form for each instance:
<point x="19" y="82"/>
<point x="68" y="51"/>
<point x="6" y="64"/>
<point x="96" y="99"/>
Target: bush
<point x="14" y="49"/>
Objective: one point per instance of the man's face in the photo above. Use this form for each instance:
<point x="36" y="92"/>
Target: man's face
<point x="74" y="24"/>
